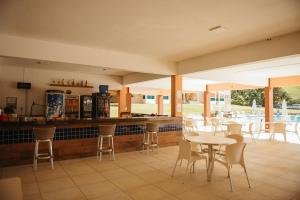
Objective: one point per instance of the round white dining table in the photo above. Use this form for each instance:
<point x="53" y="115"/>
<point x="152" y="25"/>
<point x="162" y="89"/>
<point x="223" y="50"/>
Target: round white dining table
<point x="210" y="141"/>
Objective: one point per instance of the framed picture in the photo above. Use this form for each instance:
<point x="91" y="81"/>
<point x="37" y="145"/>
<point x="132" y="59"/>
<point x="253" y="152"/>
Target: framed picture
<point x="11" y="101"/>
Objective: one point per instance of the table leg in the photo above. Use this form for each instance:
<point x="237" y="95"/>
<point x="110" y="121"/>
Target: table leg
<point x="210" y="162"/>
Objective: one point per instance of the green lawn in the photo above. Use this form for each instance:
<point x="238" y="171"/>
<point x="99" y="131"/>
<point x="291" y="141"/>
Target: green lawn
<point x="188" y="109"/>
<point x="294" y="92"/>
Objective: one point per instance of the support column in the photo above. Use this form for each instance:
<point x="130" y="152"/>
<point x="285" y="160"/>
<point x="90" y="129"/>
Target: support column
<point x="268" y="105"/>
<point x="206" y="101"/>
<point x="124" y="100"/>
<point x="176" y="96"/>
<point x="160" y="104"/>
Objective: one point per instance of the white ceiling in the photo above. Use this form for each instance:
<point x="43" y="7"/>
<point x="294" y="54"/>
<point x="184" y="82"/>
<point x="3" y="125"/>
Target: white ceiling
<point x="189" y="84"/>
<point x="57" y="66"/>
<point x="170" y="29"/>
<point x="256" y="73"/>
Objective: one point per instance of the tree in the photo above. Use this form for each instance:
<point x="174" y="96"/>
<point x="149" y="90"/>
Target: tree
<point x="246" y="97"/>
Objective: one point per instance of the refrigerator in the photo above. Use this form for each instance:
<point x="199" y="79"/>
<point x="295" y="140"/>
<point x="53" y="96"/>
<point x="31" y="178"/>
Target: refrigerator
<point x="101" y="105"/>
<point x="55" y="104"/>
<point x="72" y="104"/>
<point x="86" y="106"/>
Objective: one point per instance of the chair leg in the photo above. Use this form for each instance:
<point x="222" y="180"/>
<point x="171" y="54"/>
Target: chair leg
<point x="229" y="175"/>
<point x="98" y="146"/>
<point x="194" y="167"/>
<point x="51" y="154"/>
<point x="187" y="167"/>
<point x="174" y="168"/>
<point x="247" y="176"/>
<point x="180" y="162"/>
<point x="157" y="142"/>
<point x="148" y="142"/>
<point x="36" y="151"/>
<point x="252" y="136"/>
<point x="101" y="145"/>
<point x="284" y="135"/>
<point x="298" y="136"/>
<point x="144" y="140"/>
<point x="113" y="148"/>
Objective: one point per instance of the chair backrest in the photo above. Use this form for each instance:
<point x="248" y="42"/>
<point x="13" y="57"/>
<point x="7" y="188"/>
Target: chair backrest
<point x="234" y="128"/>
<point x="235" y="153"/>
<point x="237" y="137"/>
<point x="107" y="129"/>
<point x="44" y="133"/>
<point x="250" y="126"/>
<point x="278" y="127"/>
<point x="152" y="127"/>
<point x="184" y="150"/>
<point x="215" y="121"/>
<point x="189" y="133"/>
<point x="296" y="127"/>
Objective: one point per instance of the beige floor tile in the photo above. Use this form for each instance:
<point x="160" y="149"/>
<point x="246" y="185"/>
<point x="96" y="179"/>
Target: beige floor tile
<point x="147" y="192"/>
<point x="78" y="168"/>
<point x="139" y="169"/>
<point x="25" y="172"/>
<point x="116" y="174"/>
<point x="121" y="162"/>
<point x="85" y="179"/>
<point x="175" y="186"/>
<point x="105" y="166"/>
<point x="33" y="197"/>
<point x="272" y="176"/>
<point x="55" y="184"/>
<point x="64" y="194"/>
<point x="199" y="194"/>
<point x="49" y="174"/>
<point x="273" y="192"/>
<point x="154" y="176"/>
<point x="129" y="183"/>
<point x="98" y="189"/>
<point x="113" y="196"/>
<point x="30" y="189"/>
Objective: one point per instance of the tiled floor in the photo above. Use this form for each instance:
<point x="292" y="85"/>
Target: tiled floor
<point x="273" y="167"/>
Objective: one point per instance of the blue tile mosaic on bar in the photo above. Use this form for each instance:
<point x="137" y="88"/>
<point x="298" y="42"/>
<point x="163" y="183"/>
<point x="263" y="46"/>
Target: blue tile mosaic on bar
<point x="16" y="136"/>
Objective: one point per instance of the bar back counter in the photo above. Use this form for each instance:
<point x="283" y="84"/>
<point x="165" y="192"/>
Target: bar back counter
<point x="78" y="138"/>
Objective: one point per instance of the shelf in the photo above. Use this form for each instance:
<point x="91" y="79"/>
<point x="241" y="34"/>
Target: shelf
<point x="59" y="85"/>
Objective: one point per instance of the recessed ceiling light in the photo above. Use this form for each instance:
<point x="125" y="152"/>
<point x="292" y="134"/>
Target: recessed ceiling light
<point x="217" y="29"/>
<point x="40" y="62"/>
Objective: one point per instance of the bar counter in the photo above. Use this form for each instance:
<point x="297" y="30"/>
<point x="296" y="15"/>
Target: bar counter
<point x="78" y="138"/>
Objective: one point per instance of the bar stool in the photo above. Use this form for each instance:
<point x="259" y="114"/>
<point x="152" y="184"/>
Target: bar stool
<point x="150" y="134"/>
<point x="106" y="131"/>
<point x="45" y="134"/>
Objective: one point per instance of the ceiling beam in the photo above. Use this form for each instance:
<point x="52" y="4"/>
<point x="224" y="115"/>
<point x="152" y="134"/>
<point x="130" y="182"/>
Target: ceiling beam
<point x="284" y="81"/>
<point x="22" y="47"/>
<point x="285" y="45"/>
<point x="229" y="86"/>
<point x="140" y="77"/>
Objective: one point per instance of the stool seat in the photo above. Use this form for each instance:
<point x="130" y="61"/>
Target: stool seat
<point x="43" y="134"/>
<point x="108" y="132"/>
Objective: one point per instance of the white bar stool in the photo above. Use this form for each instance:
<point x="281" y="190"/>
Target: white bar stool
<point x="45" y="134"/>
<point x="106" y="131"/>
<point x="150" y="139"/>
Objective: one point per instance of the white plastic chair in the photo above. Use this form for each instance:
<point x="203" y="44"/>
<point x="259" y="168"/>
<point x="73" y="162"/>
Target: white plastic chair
<point x="186" y="153"/>
<point x="261" y="129"/>
<point x="250" y="131"/>
<point x="234" y="128"/>
<point x="189" y="124"/>
<point x="234" y="154"/>
<point x="278" y="127"/>
<point x="215" y="125"/>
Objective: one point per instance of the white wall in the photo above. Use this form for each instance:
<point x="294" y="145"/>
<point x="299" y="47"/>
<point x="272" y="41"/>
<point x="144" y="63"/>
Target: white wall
<point x="40" y="80"/>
